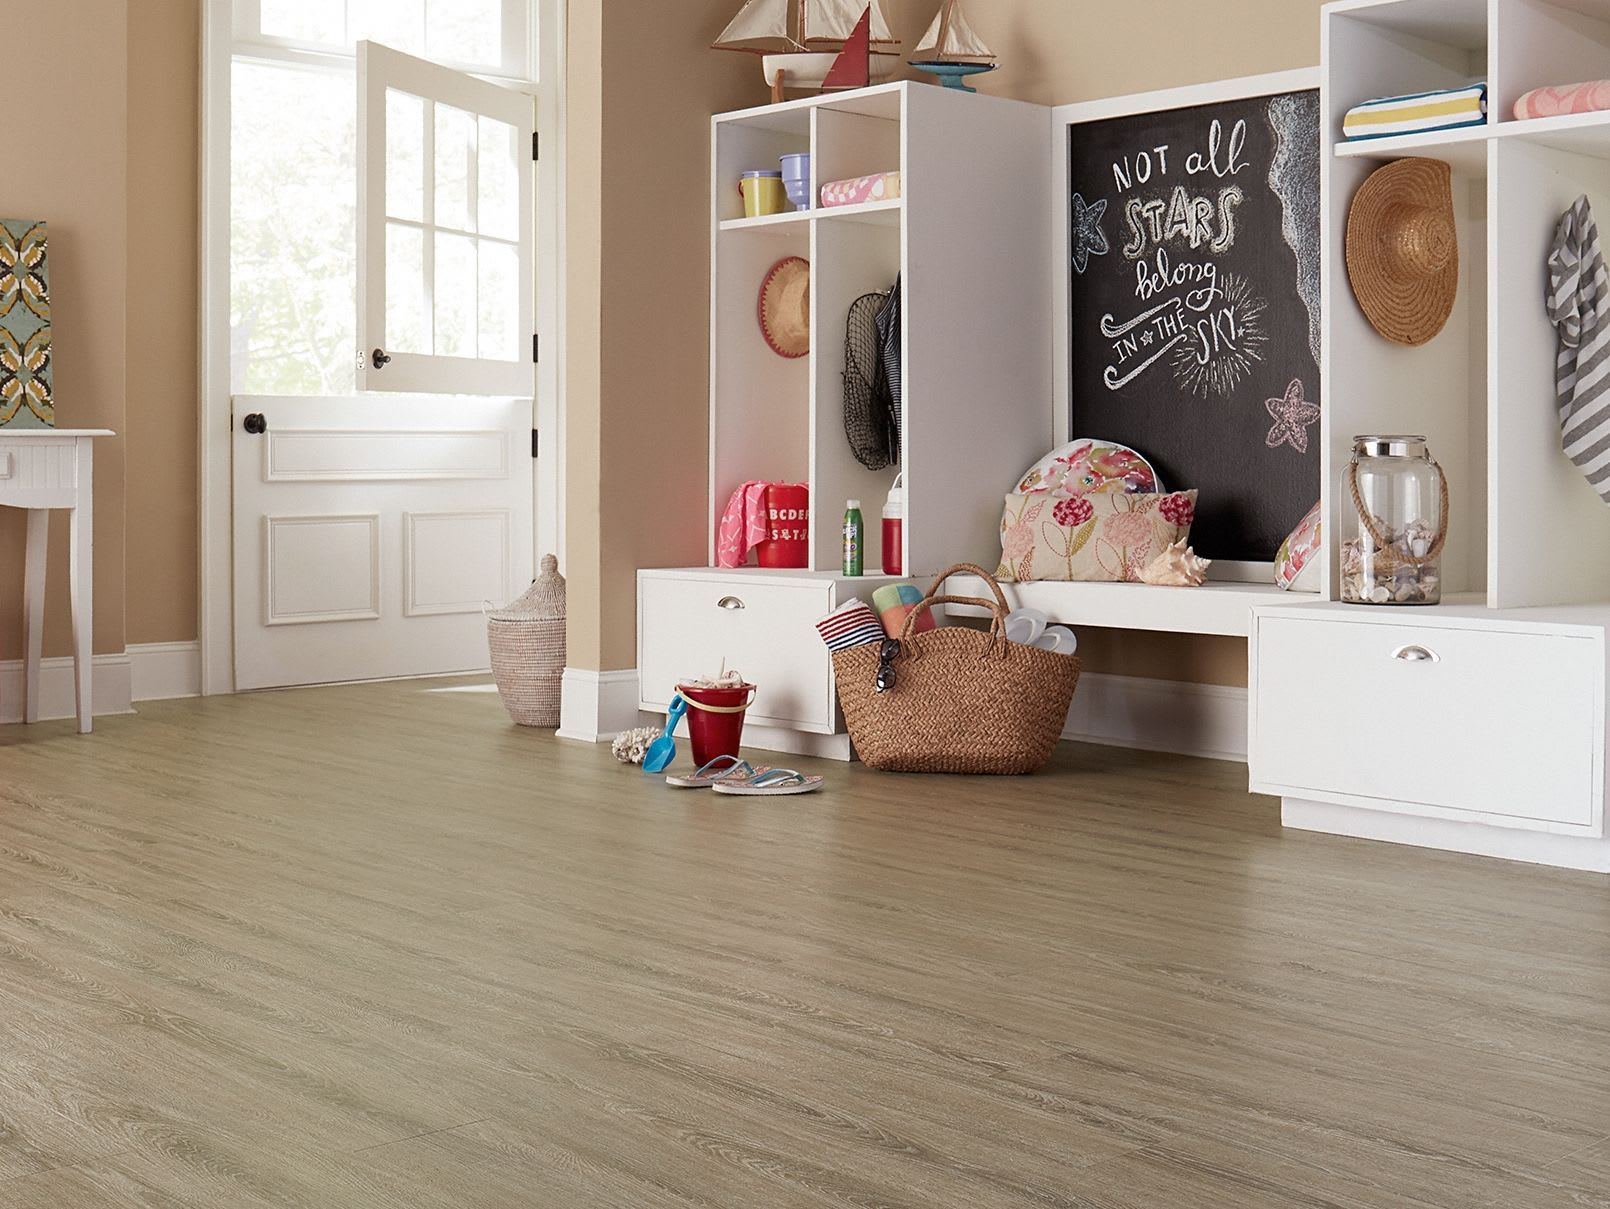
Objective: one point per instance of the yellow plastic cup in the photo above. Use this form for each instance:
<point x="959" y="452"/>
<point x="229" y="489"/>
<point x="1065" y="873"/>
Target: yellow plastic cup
<point x="763" y="194"/>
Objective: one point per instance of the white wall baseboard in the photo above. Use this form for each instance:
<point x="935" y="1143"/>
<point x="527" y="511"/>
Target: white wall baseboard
<point x="152" y="671"/>
<point x="113" y="692"/>
<point x="1207" y="720"/>
<point x="165" y="670"/>
<point x="594" y="707"/>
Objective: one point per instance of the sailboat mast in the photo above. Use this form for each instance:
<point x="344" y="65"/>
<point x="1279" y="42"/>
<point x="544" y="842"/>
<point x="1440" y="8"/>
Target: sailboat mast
<point x="945" y="8"/>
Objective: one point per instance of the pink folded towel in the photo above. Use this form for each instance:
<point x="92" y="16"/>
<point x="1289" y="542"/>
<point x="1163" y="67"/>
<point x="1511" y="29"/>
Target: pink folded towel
<point x="1559" y="99"/>
<point x="743" y="524"/>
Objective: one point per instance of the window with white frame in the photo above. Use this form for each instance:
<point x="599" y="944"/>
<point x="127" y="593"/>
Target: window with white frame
<point x="293" y="169"/>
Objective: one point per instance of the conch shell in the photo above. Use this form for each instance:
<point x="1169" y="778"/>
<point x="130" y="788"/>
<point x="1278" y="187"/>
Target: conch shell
<point x="1177" y="567"/>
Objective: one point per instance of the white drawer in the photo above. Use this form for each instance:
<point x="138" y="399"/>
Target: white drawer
<point x="37" y="472"/>
<point x="766" y="631"/>
<point x="1495" y="722"/>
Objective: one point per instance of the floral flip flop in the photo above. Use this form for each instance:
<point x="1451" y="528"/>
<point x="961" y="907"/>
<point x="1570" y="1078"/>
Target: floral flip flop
<point x="719" y="770"/>
<point x="771" y="782"/>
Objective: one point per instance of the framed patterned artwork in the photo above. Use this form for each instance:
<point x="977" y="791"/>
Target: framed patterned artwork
<point x="26" y="399"/>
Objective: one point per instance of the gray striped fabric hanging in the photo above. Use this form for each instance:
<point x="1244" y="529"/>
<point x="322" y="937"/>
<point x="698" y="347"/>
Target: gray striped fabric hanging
<point x="1579" y="308"/>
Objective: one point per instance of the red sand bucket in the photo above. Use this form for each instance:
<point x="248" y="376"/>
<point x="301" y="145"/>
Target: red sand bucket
<point x="788" y="527"/>
<point x="715" y="720"/>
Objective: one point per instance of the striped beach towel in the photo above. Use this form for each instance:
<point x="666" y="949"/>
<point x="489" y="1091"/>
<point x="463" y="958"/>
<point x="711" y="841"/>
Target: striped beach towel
<point x="853" y="623"/>
<point x="1445" y="109"/>
<point x="1579" y="308"/>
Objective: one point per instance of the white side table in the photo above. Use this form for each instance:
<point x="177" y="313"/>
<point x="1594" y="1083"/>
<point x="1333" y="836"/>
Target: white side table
<point x="41" y="469"/>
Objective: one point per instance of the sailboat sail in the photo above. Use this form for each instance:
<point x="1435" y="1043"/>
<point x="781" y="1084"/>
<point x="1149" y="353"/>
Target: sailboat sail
<point x="835" y="20"/>
<point x="759" y="25"/>
<point x="950" y="39"/>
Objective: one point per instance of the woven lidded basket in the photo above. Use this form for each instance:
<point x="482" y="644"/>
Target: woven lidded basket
<point x="528" y="648"/>
<point x="963" y="701"/>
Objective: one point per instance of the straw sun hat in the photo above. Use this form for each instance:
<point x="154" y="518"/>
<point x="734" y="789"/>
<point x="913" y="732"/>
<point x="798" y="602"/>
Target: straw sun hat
<point x="785" y="307"/>
<point x="1403" y="249"/>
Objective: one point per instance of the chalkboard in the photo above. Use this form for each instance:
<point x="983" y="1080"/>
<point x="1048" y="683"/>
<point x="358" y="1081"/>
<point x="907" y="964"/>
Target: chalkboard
<point x="1194" y="306"/>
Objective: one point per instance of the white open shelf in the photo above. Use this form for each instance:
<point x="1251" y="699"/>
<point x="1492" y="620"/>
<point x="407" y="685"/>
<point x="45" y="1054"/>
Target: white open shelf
<point x="1214" y="608"/>
<point x="884" y="213"/>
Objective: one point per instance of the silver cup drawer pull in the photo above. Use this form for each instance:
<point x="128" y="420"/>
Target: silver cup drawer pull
<point x="1413" y="653"/>
<point x="729" y="603"/>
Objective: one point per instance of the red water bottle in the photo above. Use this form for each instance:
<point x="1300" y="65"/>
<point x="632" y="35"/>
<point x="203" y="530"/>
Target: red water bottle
<point x="894" y="528"/>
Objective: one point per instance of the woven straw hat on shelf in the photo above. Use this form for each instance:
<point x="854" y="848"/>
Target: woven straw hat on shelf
<point x="1403" y="249"/>
<point x="528" y="648"/>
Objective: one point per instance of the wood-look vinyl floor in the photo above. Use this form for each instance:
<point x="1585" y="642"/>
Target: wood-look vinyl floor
<point x="374" y="947"/>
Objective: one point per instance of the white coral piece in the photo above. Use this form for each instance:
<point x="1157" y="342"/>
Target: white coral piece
<point x="1177" y="567"/>
<point x="631" y="746"/>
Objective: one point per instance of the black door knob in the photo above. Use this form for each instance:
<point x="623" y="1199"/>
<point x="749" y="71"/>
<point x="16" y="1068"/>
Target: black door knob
<point x="380" y="358"/>
<point x="255" y="424"/>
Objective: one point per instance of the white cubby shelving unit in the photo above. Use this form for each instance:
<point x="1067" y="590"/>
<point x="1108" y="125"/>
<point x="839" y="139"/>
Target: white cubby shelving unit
<point x="1479" y="725"/>
<point x="968" y="239"/>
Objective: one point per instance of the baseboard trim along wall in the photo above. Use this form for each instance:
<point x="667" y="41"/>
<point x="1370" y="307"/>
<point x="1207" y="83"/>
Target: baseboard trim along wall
<point x="145" y="672"/>
<point x="1207" y="720"/>
<point x="594" y="707"/>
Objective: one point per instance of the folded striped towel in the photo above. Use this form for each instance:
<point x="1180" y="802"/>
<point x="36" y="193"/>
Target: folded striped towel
<point x="1445" y="109"/>
<point x="853" y="623"/>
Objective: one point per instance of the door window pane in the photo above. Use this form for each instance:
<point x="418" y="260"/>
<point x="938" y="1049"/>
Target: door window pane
<point x="499" y="185"/>
<point x="407" y="296"/>
<point x="405" y="156"/>
<point x="455" y="168"/>
<point x="454" y="295"/>
<point x="500" y="301"/>
<point x="465" y="31"/>
<point x="304" y="20"/>
<point x="399" y="24"/>
<point x="293" y="257"/>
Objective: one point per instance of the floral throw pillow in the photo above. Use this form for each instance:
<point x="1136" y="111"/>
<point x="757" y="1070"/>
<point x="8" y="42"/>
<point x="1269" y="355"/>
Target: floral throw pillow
<point x="1104" y="538"/>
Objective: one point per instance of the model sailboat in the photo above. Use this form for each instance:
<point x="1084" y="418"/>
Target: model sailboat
<point x="802" y="40"/>
<point x="951" y="50"/>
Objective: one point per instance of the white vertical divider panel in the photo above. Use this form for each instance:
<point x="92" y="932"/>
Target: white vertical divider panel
<point x="1549" y="527"/>
<point x="1370" y="383"/>
<point x="976" y="177"/>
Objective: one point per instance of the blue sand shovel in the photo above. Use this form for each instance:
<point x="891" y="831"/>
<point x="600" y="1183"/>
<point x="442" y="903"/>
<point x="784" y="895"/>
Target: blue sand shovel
<point x="663" y="750"/>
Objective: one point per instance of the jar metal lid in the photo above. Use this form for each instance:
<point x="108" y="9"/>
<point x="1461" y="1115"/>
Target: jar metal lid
<point x="1391" y="446"/>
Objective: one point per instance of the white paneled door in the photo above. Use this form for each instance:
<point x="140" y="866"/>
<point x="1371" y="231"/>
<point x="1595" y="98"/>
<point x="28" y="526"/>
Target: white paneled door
<point x="371" y="531"/>
<point x="368" y="539"/>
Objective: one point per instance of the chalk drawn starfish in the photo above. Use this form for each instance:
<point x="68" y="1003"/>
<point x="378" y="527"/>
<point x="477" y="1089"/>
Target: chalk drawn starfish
<point x="1088" y="237"/>
<point x="1292" y="416"/>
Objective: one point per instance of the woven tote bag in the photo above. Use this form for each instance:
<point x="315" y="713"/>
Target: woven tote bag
<point x="963" y="701"/>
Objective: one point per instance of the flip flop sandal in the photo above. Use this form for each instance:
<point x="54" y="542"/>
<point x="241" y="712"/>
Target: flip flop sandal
<point x="722" y="768"/>
<point x="774" y="782"/>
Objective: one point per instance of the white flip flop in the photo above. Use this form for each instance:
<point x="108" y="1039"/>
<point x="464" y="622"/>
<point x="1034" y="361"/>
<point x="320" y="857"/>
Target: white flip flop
<point x="714" y="772"/>
<point x="774" y="782"/>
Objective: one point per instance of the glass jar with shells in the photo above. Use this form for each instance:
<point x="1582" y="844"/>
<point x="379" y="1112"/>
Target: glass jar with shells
<point x="1397" y="495"/>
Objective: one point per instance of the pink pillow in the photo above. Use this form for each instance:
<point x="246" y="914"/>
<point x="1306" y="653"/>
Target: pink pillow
<point x="1558" y="99"/>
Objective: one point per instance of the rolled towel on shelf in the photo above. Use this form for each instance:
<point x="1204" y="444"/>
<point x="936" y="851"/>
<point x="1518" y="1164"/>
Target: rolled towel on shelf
<point x="1444" y="109"/>
<point x="1557" y="100"/>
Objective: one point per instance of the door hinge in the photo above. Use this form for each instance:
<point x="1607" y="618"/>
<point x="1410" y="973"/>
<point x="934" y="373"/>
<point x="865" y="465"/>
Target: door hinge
<point x="535" y="444"/>
<point x="536" y="349"/>
<point x="536" y="145"/>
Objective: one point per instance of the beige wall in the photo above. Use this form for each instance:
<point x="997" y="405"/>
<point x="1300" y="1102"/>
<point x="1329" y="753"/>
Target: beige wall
<point x="163" y="392"/>
<point x="639" y="301"/>
<point x="69" y="109"/>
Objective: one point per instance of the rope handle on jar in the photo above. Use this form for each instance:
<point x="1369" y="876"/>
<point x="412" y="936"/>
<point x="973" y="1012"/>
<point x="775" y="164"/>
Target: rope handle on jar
<point x="1373" y="527"/>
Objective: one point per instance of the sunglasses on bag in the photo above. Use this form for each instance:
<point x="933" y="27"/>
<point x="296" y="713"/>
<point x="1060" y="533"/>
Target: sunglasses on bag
<point x="886" y="653"/>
